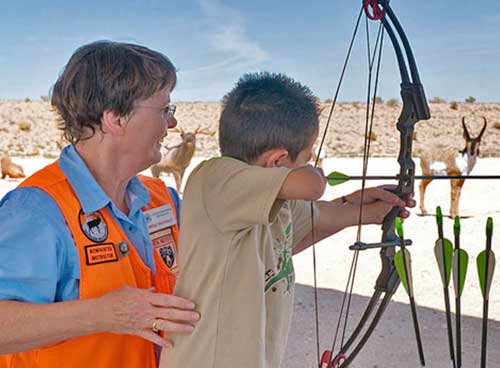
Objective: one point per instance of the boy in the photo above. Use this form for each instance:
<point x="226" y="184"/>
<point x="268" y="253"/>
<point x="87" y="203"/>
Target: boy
<point x="243" y="216"/>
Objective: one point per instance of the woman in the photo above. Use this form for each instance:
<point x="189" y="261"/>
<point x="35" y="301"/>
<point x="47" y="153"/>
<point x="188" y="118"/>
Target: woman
<point x="87" y="248"/>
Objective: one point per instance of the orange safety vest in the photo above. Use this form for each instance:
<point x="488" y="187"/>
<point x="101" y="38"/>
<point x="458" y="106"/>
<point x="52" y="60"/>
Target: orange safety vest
<point x="107" y="261"/>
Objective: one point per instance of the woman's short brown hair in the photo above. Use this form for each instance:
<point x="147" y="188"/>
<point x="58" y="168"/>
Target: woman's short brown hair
<point x="104" y="76"/>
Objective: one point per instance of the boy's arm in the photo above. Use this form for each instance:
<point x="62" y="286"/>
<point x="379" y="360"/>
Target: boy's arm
<point x="338" y="214"/>
<point x="306" y="183"/>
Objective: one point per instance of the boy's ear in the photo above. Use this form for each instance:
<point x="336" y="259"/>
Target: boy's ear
<point x="276" y="157"/>
<point x="112" y="122"/>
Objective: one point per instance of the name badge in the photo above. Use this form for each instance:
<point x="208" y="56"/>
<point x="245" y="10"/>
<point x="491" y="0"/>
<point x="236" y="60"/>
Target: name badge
<point x="159" y="218"/>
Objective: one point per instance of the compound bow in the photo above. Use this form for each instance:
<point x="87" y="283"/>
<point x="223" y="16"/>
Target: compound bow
<point x="414" y="109"/>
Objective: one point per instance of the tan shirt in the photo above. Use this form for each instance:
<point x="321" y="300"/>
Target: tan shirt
<point x="236" y="265"/>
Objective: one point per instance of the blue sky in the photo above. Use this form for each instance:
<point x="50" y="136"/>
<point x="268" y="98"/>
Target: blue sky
<point x="213" y="42"/>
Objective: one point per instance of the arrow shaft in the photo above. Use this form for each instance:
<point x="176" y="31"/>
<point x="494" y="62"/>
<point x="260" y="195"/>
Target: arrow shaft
<point x="417" y="330"/>
<point x="412" y="305"/>
<point x="458" y="307"/>
<point x="420" y="177"/>
<point x="458" y="331"/>
<point x="458" y="311"/>
<point x="484" y="337"/>
<point x="448" y="325"/>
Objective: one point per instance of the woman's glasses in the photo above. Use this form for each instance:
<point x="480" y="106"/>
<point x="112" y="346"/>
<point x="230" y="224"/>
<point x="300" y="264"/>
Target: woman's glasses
<point x="167" y="112"/>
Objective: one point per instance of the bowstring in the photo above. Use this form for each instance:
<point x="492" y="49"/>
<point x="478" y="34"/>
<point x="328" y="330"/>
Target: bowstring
<point x="366" y="152"/>
<point x="332" y="108"/>
<point x="352" y="271"/>
<point x="370" y="116"/>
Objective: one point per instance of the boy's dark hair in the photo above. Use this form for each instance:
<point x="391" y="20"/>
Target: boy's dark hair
<point x="266" y="111"/>
<point x="107" y="75"/>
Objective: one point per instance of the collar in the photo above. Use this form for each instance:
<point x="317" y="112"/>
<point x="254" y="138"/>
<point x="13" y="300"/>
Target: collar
<point x="88" y="191"/>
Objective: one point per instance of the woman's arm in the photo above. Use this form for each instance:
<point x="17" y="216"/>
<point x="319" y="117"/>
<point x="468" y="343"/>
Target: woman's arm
<point x="127" y="310"/>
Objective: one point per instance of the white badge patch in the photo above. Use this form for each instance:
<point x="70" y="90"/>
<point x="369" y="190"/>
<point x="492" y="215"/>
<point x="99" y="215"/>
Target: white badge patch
<point x="159" y="218"/>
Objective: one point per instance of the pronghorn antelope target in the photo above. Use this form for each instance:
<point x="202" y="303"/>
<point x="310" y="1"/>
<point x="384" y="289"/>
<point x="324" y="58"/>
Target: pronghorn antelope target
<point x="178" y="157"/>
<point x="440" y="161"/>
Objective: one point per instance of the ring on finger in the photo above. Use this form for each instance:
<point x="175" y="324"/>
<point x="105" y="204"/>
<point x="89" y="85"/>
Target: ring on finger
<point x="154" y="326"/>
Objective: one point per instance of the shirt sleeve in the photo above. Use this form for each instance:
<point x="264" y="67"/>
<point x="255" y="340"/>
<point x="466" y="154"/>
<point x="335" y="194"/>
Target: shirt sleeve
<point x="237" y="195"/>
<point x="37" y="253"/>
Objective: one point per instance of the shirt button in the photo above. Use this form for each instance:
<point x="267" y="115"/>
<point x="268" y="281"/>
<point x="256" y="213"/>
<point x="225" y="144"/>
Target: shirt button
<point x="131" y="228"/>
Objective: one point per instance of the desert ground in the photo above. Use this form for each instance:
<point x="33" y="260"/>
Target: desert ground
<point x="30" y="137"/>
<point x="29" y="128"/>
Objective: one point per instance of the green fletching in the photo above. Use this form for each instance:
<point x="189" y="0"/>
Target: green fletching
<point x="336" y="178"/>
<point x="399" y="262"/>
<point x="489" y="227"/>
<point x="399" y="227"/>
<point x="439" y="216"/>
<point x="459" y="278"/>
<point x="443" y="250"/>
<point x="456" y="226"/>
<point x="485" y="278"/>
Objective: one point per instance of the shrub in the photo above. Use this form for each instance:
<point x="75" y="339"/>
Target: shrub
<point x="392" y="102"/>
<point x="470" y="99"/>
<point x="454" y="105"/>
<point x="328" y="101"/>
<point x="379" y="100"/>
<point x="24" y="126"/>
<point x="437" y="100"/>
<point x="496" y="125"/>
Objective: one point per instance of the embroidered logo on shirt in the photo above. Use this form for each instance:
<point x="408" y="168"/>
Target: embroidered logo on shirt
<point x="100" y="253"/>
<point x="93" y="226"/>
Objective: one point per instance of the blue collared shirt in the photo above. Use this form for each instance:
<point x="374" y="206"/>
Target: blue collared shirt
<point x="38" y="259"/>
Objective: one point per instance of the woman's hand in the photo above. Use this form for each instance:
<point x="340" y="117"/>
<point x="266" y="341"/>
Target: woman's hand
<point x="143" y="312"/>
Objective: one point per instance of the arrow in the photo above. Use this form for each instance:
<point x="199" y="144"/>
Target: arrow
<point x="443" y="251"/>
<point x="402" y="262"/>
<point x="336" y="178"/>
<point x="485" y="270"/>
<point x="460" y="262"/>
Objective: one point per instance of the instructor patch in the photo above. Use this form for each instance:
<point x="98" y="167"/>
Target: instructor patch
<point x="100" y="253"/>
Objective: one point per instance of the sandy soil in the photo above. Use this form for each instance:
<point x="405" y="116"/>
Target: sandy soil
<point x="29" y="128"/>
<point x="393" y="343"/>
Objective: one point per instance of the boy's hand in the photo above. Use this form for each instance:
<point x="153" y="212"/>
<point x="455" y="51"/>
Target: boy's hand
<point x="335" y="216"/>
<point x="378" y="202"/>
